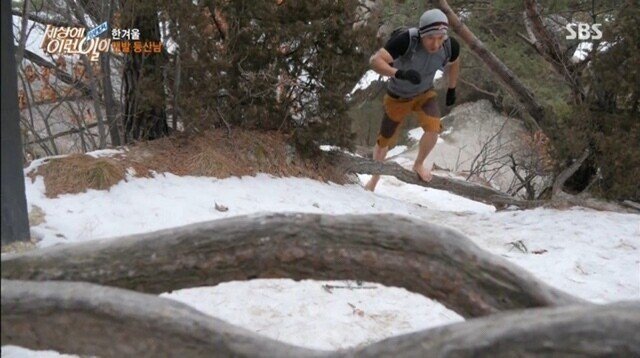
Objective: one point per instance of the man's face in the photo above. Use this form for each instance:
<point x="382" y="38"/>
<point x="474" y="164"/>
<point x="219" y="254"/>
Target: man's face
<point x="433" y="43"/>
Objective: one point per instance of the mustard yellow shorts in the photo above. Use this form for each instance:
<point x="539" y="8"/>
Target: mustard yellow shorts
<point x="397" y="109"/>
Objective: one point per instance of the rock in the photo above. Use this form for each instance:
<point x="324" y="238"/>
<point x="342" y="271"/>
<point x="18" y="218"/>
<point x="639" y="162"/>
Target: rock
<point x="36" y="216"/>
<point x="221" y="208"/>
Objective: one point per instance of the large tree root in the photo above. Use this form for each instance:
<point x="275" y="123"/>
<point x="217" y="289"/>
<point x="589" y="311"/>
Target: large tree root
<point x="575" y="331"/>
<point x="393" y="250"/>
<point x="84" y="318"/>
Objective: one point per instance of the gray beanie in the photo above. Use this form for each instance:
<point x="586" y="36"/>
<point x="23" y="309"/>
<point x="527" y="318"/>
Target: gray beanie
<point x="433" y="22"/>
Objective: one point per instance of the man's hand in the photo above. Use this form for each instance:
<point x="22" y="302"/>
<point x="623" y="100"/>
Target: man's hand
<point x="408" y="75"/>
<point x="451" y="96"/>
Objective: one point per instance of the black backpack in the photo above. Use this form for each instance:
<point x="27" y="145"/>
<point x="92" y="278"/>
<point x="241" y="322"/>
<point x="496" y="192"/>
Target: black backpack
<point x="415" y="39"/>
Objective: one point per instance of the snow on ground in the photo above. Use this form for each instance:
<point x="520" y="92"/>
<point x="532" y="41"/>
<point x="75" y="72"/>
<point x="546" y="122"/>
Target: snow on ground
<point x="148" y="204"/>
<point x="591" y="254"/>
<point x="396" y="150"/>
<point x="394" y="189"/>
<point x="366" y="80"/>
<point x="304" y="313"/>
<point x="19" y="352"/>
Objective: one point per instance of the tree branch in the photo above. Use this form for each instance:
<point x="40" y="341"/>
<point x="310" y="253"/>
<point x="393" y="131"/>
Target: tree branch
<point x="549" y="48"/>
<point x="46" y="21"/>
<point x="62" y="134"/>
<point x="63" y="76"/>
<point x="477" y="88"/>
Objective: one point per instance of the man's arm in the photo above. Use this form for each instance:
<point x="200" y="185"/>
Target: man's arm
<point x="396" y="46"/>
<point x="453" y="67"/>
<point x="381" y="63"/>
<point x="453" y="71"/>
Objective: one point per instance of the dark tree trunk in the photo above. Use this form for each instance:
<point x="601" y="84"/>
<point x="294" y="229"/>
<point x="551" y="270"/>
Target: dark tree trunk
<point x="15" y="222"/>
<point x="145" y="117"/>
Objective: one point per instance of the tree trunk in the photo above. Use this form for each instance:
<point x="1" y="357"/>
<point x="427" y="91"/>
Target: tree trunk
<point x="393" y="250"/>
<point x="22" y="40"/>
<point x="144" y="109"/>
<point x="15" y="222"/>
<point x="109" y="102"/>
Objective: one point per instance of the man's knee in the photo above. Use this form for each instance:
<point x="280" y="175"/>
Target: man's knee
<point x="388" y="127"/>
<point x="388" y="132"/>
<point x="430" y="108"/>
<point x="384" y="142"/>
<point x="431" y="124"/>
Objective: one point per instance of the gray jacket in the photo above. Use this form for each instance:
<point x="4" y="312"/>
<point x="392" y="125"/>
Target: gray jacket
<point x="417" y="58"/>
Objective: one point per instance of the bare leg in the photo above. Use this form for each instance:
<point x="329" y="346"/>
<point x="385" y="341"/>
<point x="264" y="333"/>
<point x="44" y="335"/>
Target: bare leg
<point x="378" y="154"/>
<point x="427" y="142"/>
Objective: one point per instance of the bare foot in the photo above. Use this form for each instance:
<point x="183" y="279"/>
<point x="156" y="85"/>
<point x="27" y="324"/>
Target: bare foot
<point x="423" y="173"/>
<point x="371" y="184"/>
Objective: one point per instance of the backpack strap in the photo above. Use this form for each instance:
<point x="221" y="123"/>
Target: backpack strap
<point x="447" y="51"/>
<point x="414" y="39"/>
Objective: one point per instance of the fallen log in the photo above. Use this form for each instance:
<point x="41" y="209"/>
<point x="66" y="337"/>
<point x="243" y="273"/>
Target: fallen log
<point x="359" y="165"/>
<point x="432" y="260"/>
<point x="88" y="319"/>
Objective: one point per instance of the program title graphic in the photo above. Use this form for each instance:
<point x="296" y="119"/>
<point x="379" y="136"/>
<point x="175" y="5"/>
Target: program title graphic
<point x="72" y="40"/>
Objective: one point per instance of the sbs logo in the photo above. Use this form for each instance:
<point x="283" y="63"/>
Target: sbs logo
<point x="584" y="31"/>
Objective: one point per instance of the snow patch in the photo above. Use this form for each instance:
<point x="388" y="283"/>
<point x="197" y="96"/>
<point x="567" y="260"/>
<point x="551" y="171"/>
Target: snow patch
<point x="314" y="315"/>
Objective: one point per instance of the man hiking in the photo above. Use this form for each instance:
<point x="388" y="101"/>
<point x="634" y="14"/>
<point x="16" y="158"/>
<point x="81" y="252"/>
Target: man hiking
<point x="411" y="58"/>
